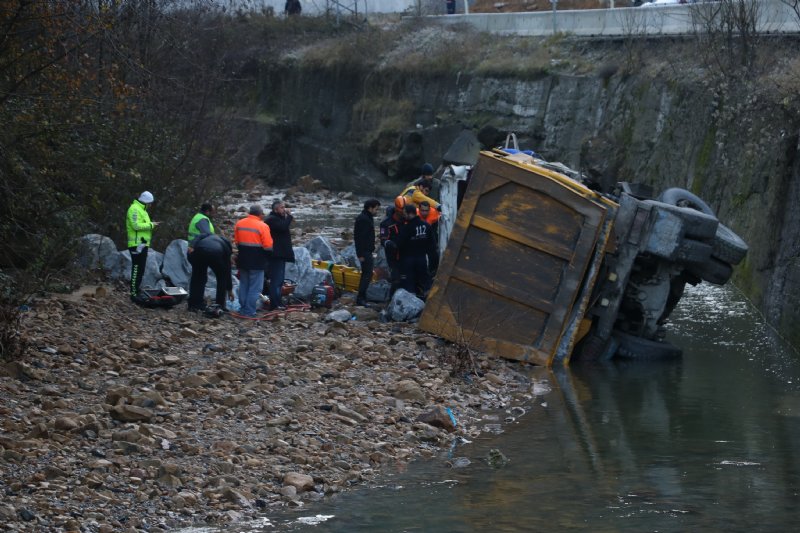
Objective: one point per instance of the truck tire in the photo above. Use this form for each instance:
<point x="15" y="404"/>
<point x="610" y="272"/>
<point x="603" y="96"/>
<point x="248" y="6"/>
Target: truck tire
<point x="713" y="271"/>
<point x="691" y="251"/>
<point x="697" y="225"/>
<point x="684" y="198"/>
<point x="728" y="247"/>
<point x="633" y="347"/>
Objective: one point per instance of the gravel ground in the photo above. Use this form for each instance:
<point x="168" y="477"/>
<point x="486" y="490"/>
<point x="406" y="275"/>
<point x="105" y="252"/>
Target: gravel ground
<point x="129" y="419"/>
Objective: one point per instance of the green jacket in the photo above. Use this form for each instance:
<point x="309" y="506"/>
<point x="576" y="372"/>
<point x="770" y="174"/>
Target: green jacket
<point x="140" y="229"/>
<point x="200" y="226"/>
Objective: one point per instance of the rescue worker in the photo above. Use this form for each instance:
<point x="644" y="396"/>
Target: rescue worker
<point x="140" y="232"/>
<point x="200" y="226"/>
<point x="279" y="221"/>
<point x="431" y="216"/>
<point x="416" y="245"/>
<point x="254" y="245"/>
<point x="418" y="192"/>
<point x="364" y="237"/>
<point x="214" y="252"/>
<point x="389" y="229"/>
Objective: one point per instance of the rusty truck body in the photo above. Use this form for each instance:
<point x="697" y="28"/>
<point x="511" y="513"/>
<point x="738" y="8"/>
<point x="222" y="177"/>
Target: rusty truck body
<point x="541" y="267"/>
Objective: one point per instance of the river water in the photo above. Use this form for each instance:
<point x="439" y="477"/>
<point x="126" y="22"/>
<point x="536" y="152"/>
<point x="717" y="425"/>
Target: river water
<point x="706" y="443"/>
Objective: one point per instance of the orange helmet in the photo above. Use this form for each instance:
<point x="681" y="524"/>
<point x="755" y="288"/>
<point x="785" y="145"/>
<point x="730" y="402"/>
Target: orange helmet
<point x="400" y="202"/>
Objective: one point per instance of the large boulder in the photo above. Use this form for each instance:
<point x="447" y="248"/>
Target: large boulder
<point x="404" y="306"/>
<point x="176" y="267"/>
<point x="304" y="274"/>
<point x="98" y="251"/>
<point x="321" y="249"/>
<point x="349" y="256"/>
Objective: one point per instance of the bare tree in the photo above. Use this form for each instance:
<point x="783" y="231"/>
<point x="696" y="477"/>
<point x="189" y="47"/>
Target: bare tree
<point x="727" y="33"/>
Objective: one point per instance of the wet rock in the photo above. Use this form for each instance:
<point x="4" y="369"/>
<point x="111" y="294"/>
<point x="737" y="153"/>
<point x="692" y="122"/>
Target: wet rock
<point x="459" y="462"/>
<point x="496" y="459"/>
<point x="438" y="417"/>
<point x="301" y="482"/>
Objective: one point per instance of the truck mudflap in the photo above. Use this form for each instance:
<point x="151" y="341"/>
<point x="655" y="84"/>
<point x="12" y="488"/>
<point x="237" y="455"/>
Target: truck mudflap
<point x="521" y="262"/>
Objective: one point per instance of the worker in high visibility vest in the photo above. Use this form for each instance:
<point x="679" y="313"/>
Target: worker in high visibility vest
<point x="200" y="226"/>
<point x="140" y="232"/>
<point x="254" y="244"/>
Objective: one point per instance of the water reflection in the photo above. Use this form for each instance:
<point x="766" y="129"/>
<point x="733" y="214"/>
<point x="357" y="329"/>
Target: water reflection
<point x="708" y="442"/>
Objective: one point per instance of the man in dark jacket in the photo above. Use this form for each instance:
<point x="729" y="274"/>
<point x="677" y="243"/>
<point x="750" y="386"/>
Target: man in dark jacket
<point x="364" y="237"/>
<point x="389" y="229"/>
<point x="416" y="245"/>
<point x="279" y="221"/>
<point x="214" y="252"/>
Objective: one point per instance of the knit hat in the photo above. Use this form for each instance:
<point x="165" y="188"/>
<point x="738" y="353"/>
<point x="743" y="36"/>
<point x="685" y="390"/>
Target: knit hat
<point x="427" y="169"/>
<point x="146" y="197"/>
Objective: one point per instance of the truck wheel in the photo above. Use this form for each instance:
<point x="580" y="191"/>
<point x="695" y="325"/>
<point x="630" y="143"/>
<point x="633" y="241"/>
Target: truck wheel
<point x="728" y="247"/>
<point x="713" y="271"/>
<point x="697" y="225"/>
<point x="691" y="251"/>
<point x="684" y="198"/>
<point x="633" y="347"/>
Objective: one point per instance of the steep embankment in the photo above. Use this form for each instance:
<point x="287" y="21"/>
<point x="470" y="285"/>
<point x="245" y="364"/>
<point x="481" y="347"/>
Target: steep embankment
<point x="362" y="112"/>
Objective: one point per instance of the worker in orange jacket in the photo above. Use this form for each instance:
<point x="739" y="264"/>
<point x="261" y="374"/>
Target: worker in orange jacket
<point x="254" y="244"/>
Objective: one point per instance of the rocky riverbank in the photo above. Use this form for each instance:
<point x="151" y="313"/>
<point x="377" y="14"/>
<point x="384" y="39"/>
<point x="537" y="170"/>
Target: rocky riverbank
<point x="129" y="419"/>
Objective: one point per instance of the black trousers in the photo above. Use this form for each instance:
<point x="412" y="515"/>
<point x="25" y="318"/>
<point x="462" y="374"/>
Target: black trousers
<point x="138" y="264"/>
<point x="366" y="276"/>
<point x="201" y="261"/>
<point x="416" y="278"/>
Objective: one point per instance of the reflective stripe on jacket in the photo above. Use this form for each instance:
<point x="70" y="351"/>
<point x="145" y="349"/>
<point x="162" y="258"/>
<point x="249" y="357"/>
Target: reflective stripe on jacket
<point x="138" y="225"/>
<point x="200" y="226"/>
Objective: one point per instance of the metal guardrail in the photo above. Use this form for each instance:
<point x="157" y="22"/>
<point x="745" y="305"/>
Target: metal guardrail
<point x="775" y="17"/>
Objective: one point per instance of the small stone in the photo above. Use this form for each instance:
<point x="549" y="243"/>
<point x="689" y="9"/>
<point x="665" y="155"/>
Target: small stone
<point x="65" y="423"/>
<point x="26" y="514"/>
<point x="131" y="413"/>
<point x="438" y="417"/>
<point x="138" y="344"/>
<point x="409" y="390"/>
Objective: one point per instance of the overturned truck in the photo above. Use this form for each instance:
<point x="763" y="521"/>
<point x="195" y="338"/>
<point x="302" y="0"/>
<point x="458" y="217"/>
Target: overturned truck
<point x="540" y="267"/>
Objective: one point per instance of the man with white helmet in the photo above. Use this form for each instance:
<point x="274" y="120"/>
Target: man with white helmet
<point x="140" y="233"/>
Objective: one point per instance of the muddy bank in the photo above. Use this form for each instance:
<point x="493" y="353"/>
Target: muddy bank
<point x="129" y="419"/>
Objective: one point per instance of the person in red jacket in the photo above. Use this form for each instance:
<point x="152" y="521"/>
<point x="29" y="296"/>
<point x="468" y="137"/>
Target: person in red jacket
<point x="254" y="244"/>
